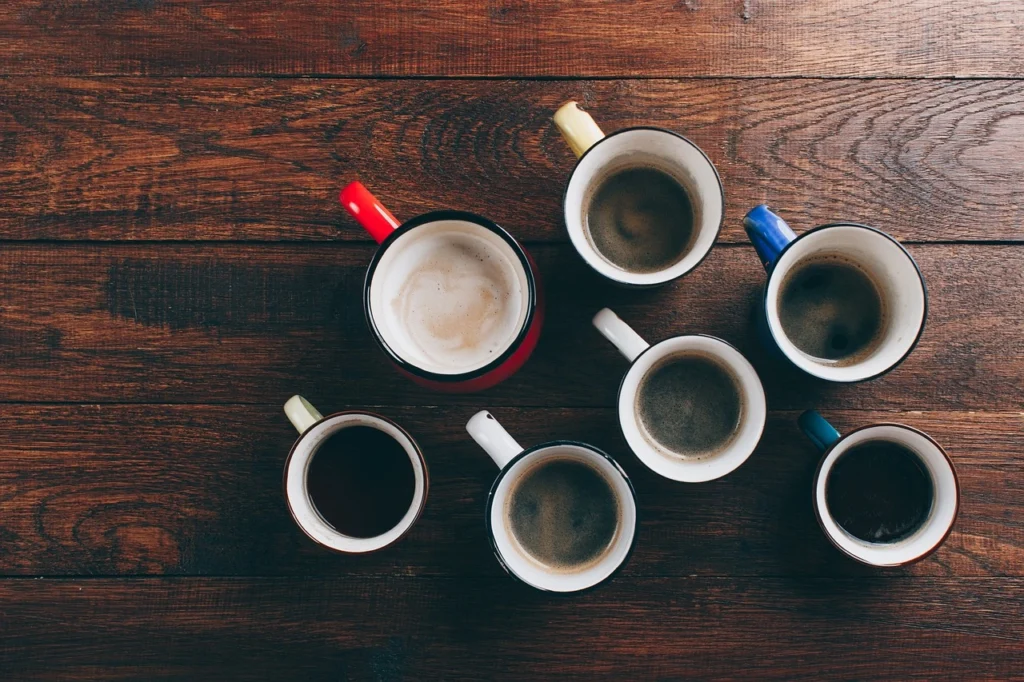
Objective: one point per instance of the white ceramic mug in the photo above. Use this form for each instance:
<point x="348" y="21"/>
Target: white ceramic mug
<point x="314" y="430"/>
<point x="890" y="266"/>
<point x="515" y="462"/>
<point x="945" y="489"/>
<point x="600" y="155"/>
<point x="645" y="357"/>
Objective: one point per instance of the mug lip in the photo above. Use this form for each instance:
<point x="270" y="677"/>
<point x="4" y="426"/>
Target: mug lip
<point x="526" y="453"/>
<point x="817" y="511"/>
<point x="721" y="193"/>
<point x="625" y="375"/>
<point x="920" y="277"/>
<point x="464" y="216"/>
<point x="362" y="413"/>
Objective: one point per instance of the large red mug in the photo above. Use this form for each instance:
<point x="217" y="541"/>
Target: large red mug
<point x="450" y="296"/>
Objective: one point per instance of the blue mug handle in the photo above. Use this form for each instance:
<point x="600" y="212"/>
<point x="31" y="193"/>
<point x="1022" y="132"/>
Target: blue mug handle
<point x="769" y="234"/>
<point x="817" y="428"/>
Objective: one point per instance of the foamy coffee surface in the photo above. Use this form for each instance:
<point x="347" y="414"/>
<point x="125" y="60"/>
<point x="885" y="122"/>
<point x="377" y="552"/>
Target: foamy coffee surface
<point x="449" y="296"/>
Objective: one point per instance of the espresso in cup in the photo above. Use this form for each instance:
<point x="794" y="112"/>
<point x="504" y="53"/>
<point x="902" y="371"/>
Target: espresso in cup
<point x="691" y="404"/>
<point x="564" y="514"/>
<point x="640" y="219"/>
<point x="354" y="482"/>
<point x="691" y="408"/>
<point x="831" y="309"/>
<point x="884" y="494"/>
<point x="561" y="515"/>
<point x="879" y="491"/>
<point x="643" y="205"/>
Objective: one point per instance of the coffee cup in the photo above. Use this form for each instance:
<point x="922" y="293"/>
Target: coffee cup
<point x="450" y="297"/>
<point x="354" y="482"/>
<point x="562" y="515"/>
<point x="644" y="205"/>
<point x="884" y="494"/>
<point x="843" y="302"/>
<point x="691" y="408"/>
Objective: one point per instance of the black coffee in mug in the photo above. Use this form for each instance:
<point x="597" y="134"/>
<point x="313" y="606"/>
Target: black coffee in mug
<point x="690" y="404"/>
<point x="640" y="219"/>
<point x="879" y="491"/>
<point x="830" y="309"/>
<point x="564" y="514"/>
<point x="361" y="481"/>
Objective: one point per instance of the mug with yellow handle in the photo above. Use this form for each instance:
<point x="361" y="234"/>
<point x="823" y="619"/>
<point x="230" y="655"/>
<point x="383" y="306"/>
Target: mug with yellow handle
<point x="644" y="205"/>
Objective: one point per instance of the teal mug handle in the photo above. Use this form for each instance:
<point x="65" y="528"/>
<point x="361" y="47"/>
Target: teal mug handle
<point x="817" y="428"/>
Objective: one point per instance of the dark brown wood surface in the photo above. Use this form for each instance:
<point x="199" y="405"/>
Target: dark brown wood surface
<point x="174" y="265"/>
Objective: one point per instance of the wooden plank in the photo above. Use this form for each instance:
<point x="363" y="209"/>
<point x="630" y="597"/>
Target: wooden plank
<point x="196" y="490"/>
<point x="410" y="628"/>
<point x="255" y="323"/>
<point x="245" y="159"/>
<point x="509" y="38"/>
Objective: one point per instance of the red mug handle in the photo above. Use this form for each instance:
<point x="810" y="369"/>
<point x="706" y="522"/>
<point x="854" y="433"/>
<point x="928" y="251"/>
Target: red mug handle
<point x="368" y="211"/>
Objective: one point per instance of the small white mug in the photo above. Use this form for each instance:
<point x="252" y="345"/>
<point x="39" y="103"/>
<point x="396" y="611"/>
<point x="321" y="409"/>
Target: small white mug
<point x="945" y="490"/>
<point x="314" y="430"/>
<point x="515" y="462"/>
<point x="601" y="155"/>
<point x="645" y="357"/>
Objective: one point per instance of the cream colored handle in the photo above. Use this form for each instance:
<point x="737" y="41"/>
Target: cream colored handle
<point x="577" y="127"/>
<point x="301" y="413"/>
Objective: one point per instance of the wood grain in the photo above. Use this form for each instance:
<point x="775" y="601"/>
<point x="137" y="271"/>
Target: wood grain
<point x="512" y="38"/>
<point x="255" y="323"/>
<point x="412" y="628"/>
<point x="196" y="490"/>
<point x="244" y="159"/>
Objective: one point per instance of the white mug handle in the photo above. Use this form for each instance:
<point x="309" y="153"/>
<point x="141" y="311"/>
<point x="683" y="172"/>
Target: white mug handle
<point x="621" y="334"/>
<point x="493" y="438"/>
<point x="301" y="413"/>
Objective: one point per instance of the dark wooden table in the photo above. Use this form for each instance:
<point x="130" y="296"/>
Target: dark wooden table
<point x="175" y="265"/>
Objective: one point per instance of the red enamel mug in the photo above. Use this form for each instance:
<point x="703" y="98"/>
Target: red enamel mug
<point x="450" y="296"/>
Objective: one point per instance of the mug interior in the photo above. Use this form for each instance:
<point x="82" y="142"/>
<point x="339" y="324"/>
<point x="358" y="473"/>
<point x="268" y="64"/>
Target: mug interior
<point x="519" y="562"/>
<point x="669" y="464"/>
<point x="939" y="521"/>
<point x="304" y="511"/>
<point x="895" y="275"/>
<point x="670" y="153"/>
<point x="453" y="338"/>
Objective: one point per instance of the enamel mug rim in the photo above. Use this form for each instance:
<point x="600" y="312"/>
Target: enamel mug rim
<point x="774" y="333"/>
<point x="821" y="476"/>
<point x="322" y="533"/>
<point x="584" y="249"/>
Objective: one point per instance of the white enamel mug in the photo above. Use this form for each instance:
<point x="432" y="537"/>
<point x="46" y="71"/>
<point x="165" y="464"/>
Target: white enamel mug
<point x="515" y="462"/>
<point x="645" y="357"/>
<point x="314" y="430"/>
<point x="945" y="486"/>
<point x="601" y="155"/>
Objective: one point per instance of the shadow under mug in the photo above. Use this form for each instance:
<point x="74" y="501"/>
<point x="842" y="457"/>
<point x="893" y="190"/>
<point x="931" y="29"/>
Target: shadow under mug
<point x="402" y="246"/>
<point x="314" y="430"/>
<point x="643" y="358"/>
<point x="601" y="155"/>
<point x="945" y="486"/>
<point x="515" y="462"/>
<point x="885" y="261"/>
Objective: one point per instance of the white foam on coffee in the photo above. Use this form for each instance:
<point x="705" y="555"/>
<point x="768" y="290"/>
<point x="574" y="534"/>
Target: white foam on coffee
<point x="449" y="296"/>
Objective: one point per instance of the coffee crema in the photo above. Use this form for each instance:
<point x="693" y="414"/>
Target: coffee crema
<point x="879" y="491"/>
<point x="640" y="219"/>
<point x="690" y="404"/>
<point x="452" y="300"/>
<point x="831" y="309"/>
<point x="564" y="514"/>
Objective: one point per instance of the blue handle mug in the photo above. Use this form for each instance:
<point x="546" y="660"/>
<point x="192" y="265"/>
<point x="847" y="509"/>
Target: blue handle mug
<point x="806" y="273"/>
<point x="862" y="493"/>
